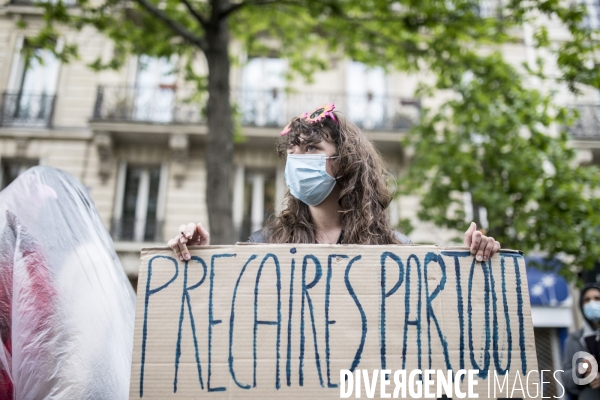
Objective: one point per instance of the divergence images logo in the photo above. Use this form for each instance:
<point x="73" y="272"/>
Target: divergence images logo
<point x="583" y="365"/>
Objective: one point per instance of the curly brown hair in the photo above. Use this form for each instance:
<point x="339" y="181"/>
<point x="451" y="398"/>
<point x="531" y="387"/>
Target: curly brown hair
<point x="360" y="172"/>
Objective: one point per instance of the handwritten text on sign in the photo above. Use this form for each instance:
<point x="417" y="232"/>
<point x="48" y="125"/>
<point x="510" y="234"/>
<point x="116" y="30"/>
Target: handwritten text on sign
<point x="279" y="320"/>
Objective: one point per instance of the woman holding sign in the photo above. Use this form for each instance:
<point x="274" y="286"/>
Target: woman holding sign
<point x="337" y="192"/>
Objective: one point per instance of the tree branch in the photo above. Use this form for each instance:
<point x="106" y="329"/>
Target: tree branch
<point x="234" y="7"/>
<point x="176" y="27"/>
<point x="196" y="14"/>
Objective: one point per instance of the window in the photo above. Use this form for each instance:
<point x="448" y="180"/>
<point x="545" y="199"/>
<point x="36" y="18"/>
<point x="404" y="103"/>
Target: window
<point x="262" y="98"/>
<point x="139" y="203"/>
<point x="29" y="99"/>
<point x="366" y="92"/>
<point x="473" y="211"/>
<point x="489" y="8"/>
<point x="592" y="20"/>
<point x="588" y="124"/>
<point x="257" y="194"/>
<point x="155" y="86"/>
<point x="12" y="168"/>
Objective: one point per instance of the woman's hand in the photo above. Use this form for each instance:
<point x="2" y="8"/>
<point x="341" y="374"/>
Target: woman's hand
<point x="484" y="247"/>
<point x="190" y="234"/>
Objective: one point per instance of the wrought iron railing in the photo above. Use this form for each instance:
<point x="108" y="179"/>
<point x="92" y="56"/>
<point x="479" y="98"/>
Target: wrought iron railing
<point x="27" y="109"/>
<point x="160" y="105"/>
<point x="39" y="2"/>
<point x="256" y="108"/>
<point x="588" y="124"/>
<point x="369" y="111"/>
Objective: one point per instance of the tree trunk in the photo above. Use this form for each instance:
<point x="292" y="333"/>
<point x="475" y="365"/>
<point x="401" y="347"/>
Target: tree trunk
<point x="219" y="151"/>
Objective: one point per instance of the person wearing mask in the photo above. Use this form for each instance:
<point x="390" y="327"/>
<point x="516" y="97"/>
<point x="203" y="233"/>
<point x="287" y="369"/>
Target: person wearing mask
<point x="338" y="192"/>
<point x="586" y="339"/>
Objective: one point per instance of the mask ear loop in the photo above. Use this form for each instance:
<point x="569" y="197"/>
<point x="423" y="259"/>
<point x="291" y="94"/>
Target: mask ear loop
<point x="332" y="157"/>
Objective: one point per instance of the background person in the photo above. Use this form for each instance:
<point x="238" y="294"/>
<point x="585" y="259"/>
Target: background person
<point x="585" y="339"/>
<point x="338" y="192"/>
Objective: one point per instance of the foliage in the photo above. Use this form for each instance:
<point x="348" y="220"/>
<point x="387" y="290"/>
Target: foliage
<point x="507" y="146"/>
<point x="495" y="141"/>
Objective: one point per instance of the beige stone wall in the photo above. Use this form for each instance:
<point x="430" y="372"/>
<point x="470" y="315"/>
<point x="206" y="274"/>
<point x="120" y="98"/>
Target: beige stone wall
<point x="103" y="193"/>
<point x="187" y="203"/>
<point x="7" y="44"/>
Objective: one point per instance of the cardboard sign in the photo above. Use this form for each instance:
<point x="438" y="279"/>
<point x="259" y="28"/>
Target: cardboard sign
<point x="282" y="321"/>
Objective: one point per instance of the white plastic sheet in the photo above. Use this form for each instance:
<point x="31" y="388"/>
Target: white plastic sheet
<point x="66" y="306"/>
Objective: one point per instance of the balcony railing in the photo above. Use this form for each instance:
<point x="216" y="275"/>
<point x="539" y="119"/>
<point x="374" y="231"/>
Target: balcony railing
<point x="159" y="105"/>
<point x="588" y="125"/>
<point x="69" y="3"/>
<point x="27" y="109"/>
<point x="256" y="108"/>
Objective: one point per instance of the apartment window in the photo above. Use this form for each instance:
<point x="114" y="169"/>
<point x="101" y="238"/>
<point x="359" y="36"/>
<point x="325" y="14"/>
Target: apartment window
<point x="12" y="168"/>
<point x="366" y="90"/>
<point x="489" y="8"/>
<point x="30" y="97"/>
<point x="255" y="198"/>
<point x="262" y="97"/>
<point x="139" y="203"/>
<point x="592" y="20"/>
<point x="155" y="86"/>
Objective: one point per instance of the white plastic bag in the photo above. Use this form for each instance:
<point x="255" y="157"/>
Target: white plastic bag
<point x="66" y="305"/>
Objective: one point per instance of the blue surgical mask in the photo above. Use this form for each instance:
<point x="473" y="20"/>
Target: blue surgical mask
<point x="592" y="311"/>
<point x="307" y="178"/>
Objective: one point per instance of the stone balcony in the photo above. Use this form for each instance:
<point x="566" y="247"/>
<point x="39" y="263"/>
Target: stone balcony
<point x="269" y="109"/>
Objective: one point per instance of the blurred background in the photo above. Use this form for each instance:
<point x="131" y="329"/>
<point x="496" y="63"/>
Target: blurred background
<point x="119" y="100"/>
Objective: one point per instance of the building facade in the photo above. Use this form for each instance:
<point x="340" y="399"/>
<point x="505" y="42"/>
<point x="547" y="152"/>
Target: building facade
<point x="135" y="139"/>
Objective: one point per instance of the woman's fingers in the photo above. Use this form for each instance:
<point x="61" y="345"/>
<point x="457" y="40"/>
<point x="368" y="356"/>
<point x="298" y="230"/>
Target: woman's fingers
<point x="469" y="234"/>
<point x="488" y="242"/>
<point x="174" y="245"/>
<point x="495" y="247"/>
<point x="203" y="235"/>
<point x="192" y="234"/>
<point x="486" y="249"/>
<point x="483" y="247"/>
<point x="182" y="238"/>
<point x="476" y="240"/>
<point x="189" y="231"/>
<point x="185" y="253"/>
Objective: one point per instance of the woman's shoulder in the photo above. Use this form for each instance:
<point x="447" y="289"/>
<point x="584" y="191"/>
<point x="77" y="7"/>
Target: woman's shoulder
<point x="403" y="239"/>
<point x="258" y="237"/>
<point x="575" y="336"/>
